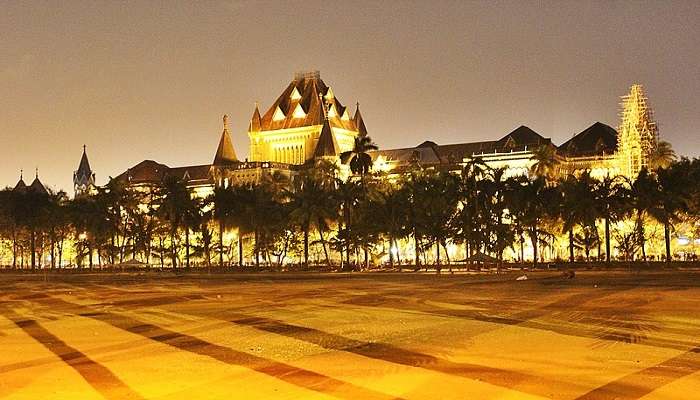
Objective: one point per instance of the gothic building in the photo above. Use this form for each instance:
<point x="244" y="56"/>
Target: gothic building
<point x="307" y="122"/>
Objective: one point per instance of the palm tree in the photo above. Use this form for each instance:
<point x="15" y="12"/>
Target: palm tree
<point x="674" y="194"/>
<point x="577" y="206"/>
<point x="358" y="158"/>
<point x="470" y="218"/>
<point x="312" y="207"/>
<point x="611" y="204"/>
<point x="389" y="213"/>
<point x="662" y="156"/>
<point x="435" y="197"/>
<point x="645" y="196"/>
<point x="546" y="163"/>
<point x="348" y="195"/>
<point x="499" y="234"/>
<point x="530" y="203"/>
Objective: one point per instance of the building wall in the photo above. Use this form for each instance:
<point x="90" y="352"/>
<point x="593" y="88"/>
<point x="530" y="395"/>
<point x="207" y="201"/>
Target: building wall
<point x="294" y="145"/>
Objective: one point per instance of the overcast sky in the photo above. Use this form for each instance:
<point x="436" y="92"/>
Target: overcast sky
<point x="148" y="80"/>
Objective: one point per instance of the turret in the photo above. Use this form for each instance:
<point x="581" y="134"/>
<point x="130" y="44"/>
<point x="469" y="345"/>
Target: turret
<point x="224" y="153"/>
<point x="326" y="146"/>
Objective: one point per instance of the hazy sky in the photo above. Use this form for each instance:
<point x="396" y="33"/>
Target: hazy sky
<point x="149" y="80"/>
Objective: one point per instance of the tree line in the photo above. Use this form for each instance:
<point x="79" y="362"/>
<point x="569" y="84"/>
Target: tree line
<point x="409" y="219"/>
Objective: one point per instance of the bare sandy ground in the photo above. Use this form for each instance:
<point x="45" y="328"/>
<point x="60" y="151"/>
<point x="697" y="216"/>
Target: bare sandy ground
<point x="361" y="336"/>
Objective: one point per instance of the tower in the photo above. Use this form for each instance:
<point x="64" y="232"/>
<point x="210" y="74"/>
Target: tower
<point x="637" y="134"/>
<point x="83" y="177"/>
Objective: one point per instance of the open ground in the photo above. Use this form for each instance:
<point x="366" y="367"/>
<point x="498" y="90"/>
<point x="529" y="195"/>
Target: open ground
<point x="602" y="335"/>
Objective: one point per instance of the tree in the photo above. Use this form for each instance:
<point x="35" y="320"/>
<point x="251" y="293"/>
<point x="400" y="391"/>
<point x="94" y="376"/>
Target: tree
<point x="472" y="211"/>
<point x="646" y="200"/>
<point x="358" y="158"/>
<point x="662" y="156"/>
<point x="577" y="206"/>
<point x="223" y="200"/>
<point x="388" y="212"/>
<point x="530" y="203"/>
<point x="174" y="203"/>
<point x="546" y="163"/>
<point x="436" y="198"/>
<point x="498" y="232"/>
<point x="611" y="204"/>
<point x="348" y="195"/>
<point x="674" y="194"/>
<point x="57" y="224"/>
<point x="312" y="206"/>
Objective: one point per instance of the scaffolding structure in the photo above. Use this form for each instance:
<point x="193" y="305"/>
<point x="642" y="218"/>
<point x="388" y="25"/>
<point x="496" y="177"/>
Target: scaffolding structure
<point x="638" y="133"/>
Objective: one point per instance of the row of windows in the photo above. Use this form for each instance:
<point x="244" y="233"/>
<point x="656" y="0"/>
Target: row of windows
<point x="290" y="154"/>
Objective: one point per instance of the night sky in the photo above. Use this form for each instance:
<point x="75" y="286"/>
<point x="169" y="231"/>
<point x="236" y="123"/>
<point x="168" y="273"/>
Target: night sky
<point x="149" y="80"/>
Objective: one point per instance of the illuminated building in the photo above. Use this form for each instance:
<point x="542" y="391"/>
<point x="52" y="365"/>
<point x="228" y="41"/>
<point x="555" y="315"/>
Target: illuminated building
<point x="307" y="122"/>
<point x="599" y="149"/>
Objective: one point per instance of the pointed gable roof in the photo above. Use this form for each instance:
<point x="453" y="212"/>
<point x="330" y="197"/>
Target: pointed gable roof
<point x="597" y="139"/>
<point x="147" y="171"/>
<point x="359" y="122"/>
<point x="20" y="187"/>
<point x="255" y="121"/>
<point x="37" y="187"/>
<point x="303" y="91"/>
<point x="225" y="153"/>
<point x="522" y="136"/>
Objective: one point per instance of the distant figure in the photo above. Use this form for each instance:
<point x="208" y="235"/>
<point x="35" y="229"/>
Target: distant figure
<point x="521" y="278"/>
<point x="569" y="274"/>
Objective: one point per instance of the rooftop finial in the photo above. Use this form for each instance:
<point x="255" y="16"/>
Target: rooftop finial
<point x="36" y="170"/>
<point x="324" y="105"/>
<point x="225" y="122"/>
<point x="21" y="174"/>
<point x="84" y="148"/>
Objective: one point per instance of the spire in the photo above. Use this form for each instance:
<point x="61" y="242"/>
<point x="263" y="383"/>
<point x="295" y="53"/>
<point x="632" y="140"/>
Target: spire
<point x="359" y="122"/>
<point x="255" y="121"/>
<point x="326" y="146"/>
<point x="225" y="153"/>
<point x="84" y="169"/>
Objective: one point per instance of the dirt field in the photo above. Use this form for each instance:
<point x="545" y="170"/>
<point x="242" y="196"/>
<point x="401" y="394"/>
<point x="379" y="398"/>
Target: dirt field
<point x="362" y="336"/>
